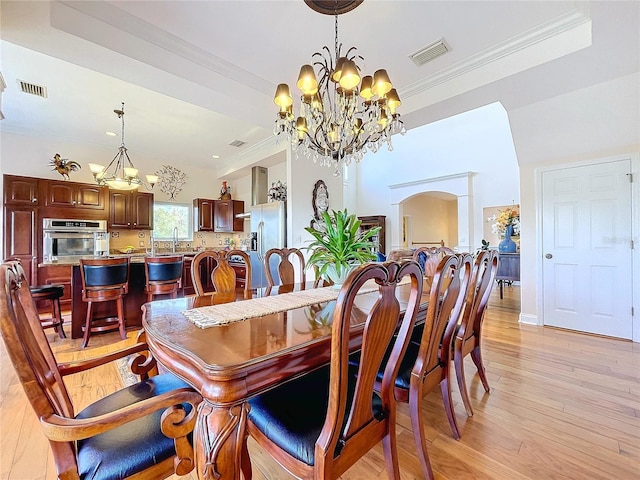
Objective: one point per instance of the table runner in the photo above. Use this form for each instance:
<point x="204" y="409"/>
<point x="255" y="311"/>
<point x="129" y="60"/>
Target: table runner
<point x="205" y="317"/>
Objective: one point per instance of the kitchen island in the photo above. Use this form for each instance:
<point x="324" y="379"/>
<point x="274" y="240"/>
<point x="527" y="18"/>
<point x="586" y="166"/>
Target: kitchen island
<point x="136" y="296"/>
<point x="133" y="300"/>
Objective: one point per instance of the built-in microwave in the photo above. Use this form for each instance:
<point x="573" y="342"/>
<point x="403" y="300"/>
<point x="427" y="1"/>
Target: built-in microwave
<point x="69" y="240"/>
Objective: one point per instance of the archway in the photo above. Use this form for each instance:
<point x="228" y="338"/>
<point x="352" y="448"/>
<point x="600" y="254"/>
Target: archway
<point x="430" y="219"/>
<point x="453" y="186"/>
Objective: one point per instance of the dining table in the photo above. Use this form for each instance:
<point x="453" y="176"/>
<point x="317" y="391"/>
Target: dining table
<point x="229" y="361"/>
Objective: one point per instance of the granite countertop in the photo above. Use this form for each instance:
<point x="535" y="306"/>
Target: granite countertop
<point x="136" y="257"/>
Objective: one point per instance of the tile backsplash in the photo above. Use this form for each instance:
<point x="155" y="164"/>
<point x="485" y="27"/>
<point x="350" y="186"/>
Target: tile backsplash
<point x="139" y="239"/>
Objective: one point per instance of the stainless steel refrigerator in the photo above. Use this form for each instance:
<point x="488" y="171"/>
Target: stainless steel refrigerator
<point x="268" y="230"/>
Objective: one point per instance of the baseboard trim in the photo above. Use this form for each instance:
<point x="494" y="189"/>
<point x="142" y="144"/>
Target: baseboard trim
<point x="529" y="319"/>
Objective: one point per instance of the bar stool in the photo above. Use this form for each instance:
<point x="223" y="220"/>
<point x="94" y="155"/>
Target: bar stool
<point x="104" y="280"/>
<point x="163" y="276"/>
<point x="52" y="293"/>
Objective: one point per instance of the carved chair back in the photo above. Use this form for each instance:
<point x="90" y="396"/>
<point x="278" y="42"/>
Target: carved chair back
<point x="431" y="361"/>
<point x="357" y="418"/>
<point x="29" y="349"/>
<point x="469" y="332"/>
<point x="291" y="268"/>
<point x="223" y="276"/>
<point x="68" y="432"/>
<point x="433" y="256"/>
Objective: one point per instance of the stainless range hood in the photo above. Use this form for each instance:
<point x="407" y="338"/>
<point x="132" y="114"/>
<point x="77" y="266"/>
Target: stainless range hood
<point x="259" y="189"/>
<point x="259" y="185"/>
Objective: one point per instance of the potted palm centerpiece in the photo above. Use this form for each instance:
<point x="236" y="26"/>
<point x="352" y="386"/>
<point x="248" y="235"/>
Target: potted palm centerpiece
<point x="340" y="246"/>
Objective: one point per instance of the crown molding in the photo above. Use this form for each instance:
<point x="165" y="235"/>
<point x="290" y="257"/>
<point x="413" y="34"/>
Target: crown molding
<point x="424" y="181"/>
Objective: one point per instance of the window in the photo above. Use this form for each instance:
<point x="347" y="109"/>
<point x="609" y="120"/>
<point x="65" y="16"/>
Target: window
<point x="167" y="216"/>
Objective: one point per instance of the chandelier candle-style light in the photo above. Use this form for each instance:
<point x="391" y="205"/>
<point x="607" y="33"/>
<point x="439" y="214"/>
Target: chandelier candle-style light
<point x="124" y="175"/>
<point x="342" y="115"/>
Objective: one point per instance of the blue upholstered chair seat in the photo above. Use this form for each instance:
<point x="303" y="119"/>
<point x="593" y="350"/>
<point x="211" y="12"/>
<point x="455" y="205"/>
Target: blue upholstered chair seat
<point x="293" y="414"/>
<point x="134" y="446"/>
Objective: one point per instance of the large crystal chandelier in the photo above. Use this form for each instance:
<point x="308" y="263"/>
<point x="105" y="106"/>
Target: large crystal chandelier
<point x="341" y="116"/>
<point x="124" y="175"/>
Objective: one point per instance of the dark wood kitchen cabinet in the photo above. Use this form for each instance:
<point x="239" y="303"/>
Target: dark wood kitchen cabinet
<point x="241" y="273"/>
<point x="21" y="239"/>
<point x="65" y="194"/>
<point x="130" y="210"/>
<point x="217" y="215"/>
<point x="203" y="214"/>
<point x="224" y="216"/>
<point x="371" y="221"/>
<point x="187" y="280"/>
<point x="58" y="275"/>
<point x="21" y="191"/>
<point x="21" y="200"/>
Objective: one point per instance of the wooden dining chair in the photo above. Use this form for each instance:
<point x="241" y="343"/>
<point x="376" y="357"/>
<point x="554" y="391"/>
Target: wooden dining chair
<point x="291" y="269"/>
<point x="223" y="276"/>
<point x="140" y="430"/>
<point x="426" y="361"/>
<point x="468" y="335"/>
<point x="320" y="424"/>
<point x="429" y="258"/>
<point x="51" y="293"/>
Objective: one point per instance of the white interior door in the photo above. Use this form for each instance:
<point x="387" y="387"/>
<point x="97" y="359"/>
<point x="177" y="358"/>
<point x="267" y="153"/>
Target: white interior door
<point x="586" y="240"/>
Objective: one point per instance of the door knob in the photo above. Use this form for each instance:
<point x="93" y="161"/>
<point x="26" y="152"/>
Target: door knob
<point x="548" y="255"/>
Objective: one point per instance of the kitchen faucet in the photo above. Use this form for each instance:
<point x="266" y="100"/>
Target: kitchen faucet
<point x="175" y="239"/>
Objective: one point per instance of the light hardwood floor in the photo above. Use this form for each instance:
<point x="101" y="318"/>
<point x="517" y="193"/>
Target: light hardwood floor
<point x="563" y="405"/>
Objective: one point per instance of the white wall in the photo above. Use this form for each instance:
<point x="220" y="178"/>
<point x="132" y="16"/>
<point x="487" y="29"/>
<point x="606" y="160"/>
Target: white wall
<point x="477" y="141"/>
<point x="302" y="177"/>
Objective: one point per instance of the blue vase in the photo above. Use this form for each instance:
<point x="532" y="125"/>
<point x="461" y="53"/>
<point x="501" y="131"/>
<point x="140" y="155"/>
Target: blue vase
<point x="507" y="245"/>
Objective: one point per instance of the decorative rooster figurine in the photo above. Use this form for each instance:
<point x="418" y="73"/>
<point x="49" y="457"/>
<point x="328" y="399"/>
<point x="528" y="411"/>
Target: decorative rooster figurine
<point x="63" y="166"/>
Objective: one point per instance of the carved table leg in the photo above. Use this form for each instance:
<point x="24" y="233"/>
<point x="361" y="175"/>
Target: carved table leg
<point x="218" y="438"/>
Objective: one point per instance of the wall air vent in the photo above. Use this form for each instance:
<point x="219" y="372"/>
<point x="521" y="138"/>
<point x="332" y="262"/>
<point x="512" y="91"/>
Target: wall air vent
<point x="429" y="52"/>
<point x="237" y="143"/>
<point x="33" y="89"/>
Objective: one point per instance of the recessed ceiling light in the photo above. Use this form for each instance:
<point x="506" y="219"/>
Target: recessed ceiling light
<point x="215" y="156"/>
<point x="111" y="134"/>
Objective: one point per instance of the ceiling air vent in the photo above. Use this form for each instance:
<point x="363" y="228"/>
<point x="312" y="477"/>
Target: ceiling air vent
<point x="237" y="143"/>
<point x="429" y="52"/>
<point x="33" y="89"/>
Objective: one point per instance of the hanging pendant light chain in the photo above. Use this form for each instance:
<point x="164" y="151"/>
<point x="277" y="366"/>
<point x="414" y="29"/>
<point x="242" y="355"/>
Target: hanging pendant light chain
<point x="336" y="16"/>
<point x="122" y="117"/>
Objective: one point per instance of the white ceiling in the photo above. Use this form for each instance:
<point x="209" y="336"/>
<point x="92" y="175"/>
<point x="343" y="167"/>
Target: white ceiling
<point x="197" y="75"/>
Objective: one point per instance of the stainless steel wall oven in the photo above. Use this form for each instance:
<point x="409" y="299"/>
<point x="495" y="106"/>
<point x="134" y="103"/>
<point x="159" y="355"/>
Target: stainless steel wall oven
<point x="71" y="239"/>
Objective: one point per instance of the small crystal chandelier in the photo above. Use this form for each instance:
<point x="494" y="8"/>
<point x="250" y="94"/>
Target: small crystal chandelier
<point x="341" y="117"/>
<point x="124" y="175"/>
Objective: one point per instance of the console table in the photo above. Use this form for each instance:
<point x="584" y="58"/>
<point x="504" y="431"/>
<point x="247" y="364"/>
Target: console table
<point x="508" y="269"/>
